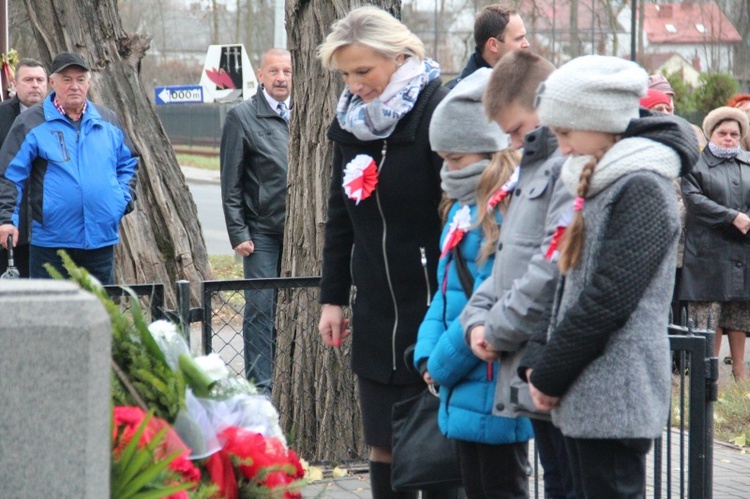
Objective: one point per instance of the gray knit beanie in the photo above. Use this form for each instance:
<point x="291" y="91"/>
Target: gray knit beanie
<point x="459" y="123"/>
<point x="592" y="93"/>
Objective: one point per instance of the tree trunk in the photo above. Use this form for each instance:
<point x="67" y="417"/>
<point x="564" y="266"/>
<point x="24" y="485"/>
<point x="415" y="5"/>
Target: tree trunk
<point x="575" y="40"/>
<point x="318" y="402"/>
<point x="161" y="240"/>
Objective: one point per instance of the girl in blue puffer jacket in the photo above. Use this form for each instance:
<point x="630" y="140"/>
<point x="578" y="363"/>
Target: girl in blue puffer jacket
<point x="477" y="181"/>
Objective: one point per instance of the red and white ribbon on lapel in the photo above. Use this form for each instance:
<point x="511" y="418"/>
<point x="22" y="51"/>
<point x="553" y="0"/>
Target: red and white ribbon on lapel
<point x="504" y="190"/>
<point x="553" y="252"/>
<point x="460" y="224"/>
<point x="360" y="177"/>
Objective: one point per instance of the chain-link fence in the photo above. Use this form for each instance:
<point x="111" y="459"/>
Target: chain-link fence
<point x="315" y="391"/>
<point x="313" y="386"/>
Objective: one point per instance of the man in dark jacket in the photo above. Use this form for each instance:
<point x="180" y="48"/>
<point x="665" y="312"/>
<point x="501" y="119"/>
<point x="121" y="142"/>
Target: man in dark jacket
<point x="31" y="88"/>
<point x="80" y="167"/>
<point x="253" y="190"/>
<point x="497" y="31"/>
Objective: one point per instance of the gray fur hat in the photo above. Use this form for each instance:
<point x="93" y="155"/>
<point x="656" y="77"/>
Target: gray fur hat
<point x="722" y="114"/>
<point x="592" y="93"/>
<point x="459" y="124"/>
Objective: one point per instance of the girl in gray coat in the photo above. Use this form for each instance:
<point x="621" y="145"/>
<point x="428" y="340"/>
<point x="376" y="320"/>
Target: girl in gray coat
<point x="605" y="370"/>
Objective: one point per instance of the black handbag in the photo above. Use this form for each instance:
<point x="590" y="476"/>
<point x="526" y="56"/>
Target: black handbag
<point x="423" y="458"/>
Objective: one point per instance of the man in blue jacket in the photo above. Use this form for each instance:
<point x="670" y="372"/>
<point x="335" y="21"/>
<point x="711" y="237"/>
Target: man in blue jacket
<point x="80" y="168"/>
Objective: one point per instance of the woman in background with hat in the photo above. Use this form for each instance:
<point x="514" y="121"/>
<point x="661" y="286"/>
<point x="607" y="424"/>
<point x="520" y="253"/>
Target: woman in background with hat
<point x="716" y="265"/>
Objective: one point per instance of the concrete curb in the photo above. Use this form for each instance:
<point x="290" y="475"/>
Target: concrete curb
<point x="200" y="175"/>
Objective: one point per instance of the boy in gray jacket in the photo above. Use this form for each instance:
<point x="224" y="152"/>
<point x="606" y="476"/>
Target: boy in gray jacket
<point x="516" y="301"/>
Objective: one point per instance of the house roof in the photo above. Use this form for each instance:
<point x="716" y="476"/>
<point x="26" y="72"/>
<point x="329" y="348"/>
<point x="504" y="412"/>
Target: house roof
<point x="688" y="23"/>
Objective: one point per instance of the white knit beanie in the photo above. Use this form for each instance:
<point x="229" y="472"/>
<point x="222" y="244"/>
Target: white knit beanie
<point x="592" y="93"/>
<point x="459" y="123"/>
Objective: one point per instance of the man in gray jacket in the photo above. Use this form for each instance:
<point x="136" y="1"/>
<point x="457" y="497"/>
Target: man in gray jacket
<point x="253" y="191"/>
<point x="516" y="301"/>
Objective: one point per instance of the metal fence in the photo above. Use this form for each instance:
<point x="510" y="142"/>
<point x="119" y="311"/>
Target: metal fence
<point x="315" y="390"/>
<point x="197" y="125"/>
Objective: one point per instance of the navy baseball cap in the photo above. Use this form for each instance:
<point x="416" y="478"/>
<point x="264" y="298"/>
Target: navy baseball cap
<point x="66" y="59"/>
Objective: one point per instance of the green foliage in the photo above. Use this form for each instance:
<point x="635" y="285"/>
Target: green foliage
<point x="713" y="91"/>
<point x="137" y="473"/>
<point x="142" y="366"/>
<point x="683" y="103"/>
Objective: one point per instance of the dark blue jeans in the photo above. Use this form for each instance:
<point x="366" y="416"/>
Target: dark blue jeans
<point x="259" y="325"/>
<point x="550" y="443"/>
<point x="98" y="262"/>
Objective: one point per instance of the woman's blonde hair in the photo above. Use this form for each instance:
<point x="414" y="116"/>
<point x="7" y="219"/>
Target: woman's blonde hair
<point x="494" y="176"/>
<point x="376" y="29"/>
<point x="571" y="245"/>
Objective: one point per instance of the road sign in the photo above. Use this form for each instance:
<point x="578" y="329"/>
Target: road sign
<point x="179" y="94"/>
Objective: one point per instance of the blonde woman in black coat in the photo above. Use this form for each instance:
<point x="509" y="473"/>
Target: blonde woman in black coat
<point x="383" y="228"/>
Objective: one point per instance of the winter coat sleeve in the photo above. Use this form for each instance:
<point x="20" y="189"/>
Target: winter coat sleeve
<point x="452" y="359"/>
<point x="16" y="156"/>
<point x="232" y="159"/>
<point x="633" y="247"/>
<point x="701" y="206"/>
<point x="127" y="167"/>
<point x="336" y="279"/>
<point x="525" y="308"/>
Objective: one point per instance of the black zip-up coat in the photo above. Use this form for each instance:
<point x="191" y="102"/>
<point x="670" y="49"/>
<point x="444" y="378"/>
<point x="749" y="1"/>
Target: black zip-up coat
<point x="377" y="245"/>
<point x="716" y="263"/>
<point x="254" y="169"/>
<point x="9" y="111"/>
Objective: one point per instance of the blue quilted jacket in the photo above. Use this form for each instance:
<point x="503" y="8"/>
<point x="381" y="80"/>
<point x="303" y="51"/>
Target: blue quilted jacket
<point x="467" y="384"/>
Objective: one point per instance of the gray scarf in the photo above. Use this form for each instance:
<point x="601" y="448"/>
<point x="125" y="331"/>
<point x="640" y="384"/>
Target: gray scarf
<point x="462" y="184"/>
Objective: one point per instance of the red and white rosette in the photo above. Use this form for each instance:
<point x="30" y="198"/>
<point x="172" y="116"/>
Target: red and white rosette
<point x="460" y="224"/>
<point x="504" y="190"/>
<point x="360" y="177"/>
<point x="553" y="252"/>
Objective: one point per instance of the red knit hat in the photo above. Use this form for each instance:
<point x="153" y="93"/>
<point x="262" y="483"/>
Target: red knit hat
<point x="654" y="97"/>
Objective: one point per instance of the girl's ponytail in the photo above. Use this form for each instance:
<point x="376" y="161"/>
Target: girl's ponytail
<point x="571" y="245"/>
<point x="494" y="176"/>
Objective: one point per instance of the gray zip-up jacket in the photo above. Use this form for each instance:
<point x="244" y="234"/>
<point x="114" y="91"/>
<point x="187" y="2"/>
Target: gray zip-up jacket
<point x="253" y="170"/>
<point x="516" y="301"/>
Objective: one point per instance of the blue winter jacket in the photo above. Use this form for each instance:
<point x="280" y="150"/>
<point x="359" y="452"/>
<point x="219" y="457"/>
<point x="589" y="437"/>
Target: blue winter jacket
<point x="81" y="176"/>
<point x="467" y="384"/>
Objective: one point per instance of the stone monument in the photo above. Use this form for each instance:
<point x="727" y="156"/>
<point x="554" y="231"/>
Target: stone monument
<point x="55" y="415"/>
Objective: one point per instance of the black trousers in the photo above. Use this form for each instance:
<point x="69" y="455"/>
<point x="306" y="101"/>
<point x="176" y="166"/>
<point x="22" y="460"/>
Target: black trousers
<point x="608" y="468"/>
<point x="550" y="444"/>
<point x="494" y="471"/>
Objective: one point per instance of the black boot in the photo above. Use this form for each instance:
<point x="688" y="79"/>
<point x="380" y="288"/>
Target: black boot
<point x="380" y="483"/>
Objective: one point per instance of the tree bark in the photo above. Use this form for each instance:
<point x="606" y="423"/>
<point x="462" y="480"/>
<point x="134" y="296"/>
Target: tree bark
<point x="161" y="240"/>
<point x="318" y="402"/>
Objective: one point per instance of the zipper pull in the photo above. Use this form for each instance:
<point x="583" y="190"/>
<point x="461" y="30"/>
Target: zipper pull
<point x="489" y="371"/>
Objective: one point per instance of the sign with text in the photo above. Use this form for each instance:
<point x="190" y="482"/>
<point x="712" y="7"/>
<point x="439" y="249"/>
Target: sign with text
<point x="179" y="94"/>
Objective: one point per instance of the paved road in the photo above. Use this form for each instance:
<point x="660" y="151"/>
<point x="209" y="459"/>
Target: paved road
<point x="204" y="186"/>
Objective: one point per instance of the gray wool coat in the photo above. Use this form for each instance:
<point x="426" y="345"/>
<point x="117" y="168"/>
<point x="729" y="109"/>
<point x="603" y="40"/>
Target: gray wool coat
<point x="607" y="355"/>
